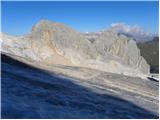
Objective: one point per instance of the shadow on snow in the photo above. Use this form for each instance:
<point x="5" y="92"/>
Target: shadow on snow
<point x="28" y="92"/>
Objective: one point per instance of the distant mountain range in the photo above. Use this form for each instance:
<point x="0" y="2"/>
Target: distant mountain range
<point x="132" y="32"/>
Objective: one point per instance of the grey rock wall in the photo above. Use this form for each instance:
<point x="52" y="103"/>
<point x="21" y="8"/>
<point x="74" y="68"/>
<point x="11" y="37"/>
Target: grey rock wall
<point x="57" y="42"/>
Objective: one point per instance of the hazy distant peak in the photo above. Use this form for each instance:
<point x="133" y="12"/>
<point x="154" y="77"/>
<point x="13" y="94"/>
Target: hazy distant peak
<point x="134" y="32"/>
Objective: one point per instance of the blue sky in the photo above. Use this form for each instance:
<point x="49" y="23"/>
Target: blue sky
<point x="19" y="17"/>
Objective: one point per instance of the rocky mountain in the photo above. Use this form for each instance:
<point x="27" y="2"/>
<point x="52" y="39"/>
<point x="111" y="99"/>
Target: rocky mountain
<point x="56" y="72"/>
<point x="150" y="51"/>
<point x="148" y="45"/>
<point x="149" y="48"/>
<point x="55" y="43"/>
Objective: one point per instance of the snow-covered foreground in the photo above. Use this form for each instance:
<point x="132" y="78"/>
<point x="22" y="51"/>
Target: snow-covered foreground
<point x="73" y="92"/>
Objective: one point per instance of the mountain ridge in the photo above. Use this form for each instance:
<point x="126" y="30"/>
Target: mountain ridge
<point x="109" y="52"/>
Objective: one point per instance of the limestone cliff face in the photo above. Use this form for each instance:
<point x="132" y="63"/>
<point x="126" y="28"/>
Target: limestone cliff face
<point x="65" y="41"/>
<point x="123" y="48"/>
<point x="54" y="43"/>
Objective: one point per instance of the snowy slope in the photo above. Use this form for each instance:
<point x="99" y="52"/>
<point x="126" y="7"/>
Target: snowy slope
<point x="55" y="92"/>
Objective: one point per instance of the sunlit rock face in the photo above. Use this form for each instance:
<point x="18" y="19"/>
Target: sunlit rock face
<point x="124" y="48"/>
<point x="55" y="43"/>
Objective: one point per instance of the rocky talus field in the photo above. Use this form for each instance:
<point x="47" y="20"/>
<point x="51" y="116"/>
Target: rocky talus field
<point x="56" y="72"/>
